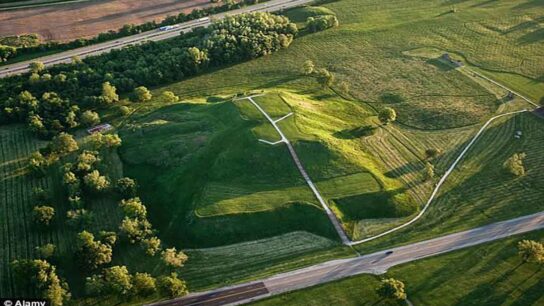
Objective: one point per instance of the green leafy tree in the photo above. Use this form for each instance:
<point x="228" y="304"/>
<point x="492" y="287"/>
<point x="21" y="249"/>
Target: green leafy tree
<point x="43" y="215"/>
<point x="45" y="251"/>
<point x="320" y="23"/>
<point x="79" y="218"/>
<point x="36" y="67"/>
<point x="387" y="115"/>
<point x="172" y="286"/>
<point x="38" y="164"/>
<point x="142" y="94"/>
<point x="143" y="284"/>
<point x="63" y="144"/>
<point x="42" y="277"/>
<point x="171" y="257"/>
<point x="531" y="251"/>
<point x="96" y="182"/>
<point x="90" y="118"/>
<point x="514" y="164"/>
<point x="133" y="208"/>
<point x="391" y="289"/>
<point x="324" y="77"/>
<point x="92" y="253"/>
<point x="127" y="187"/>
<point x="135" y="229"/>
<point x="109" y="93"/>
<point x="308" y="67"/>
<point x="169" y="97"/>
<point x="118" y="280"/>
<point x="151" y="245"/>
<point x="86" y="160"/>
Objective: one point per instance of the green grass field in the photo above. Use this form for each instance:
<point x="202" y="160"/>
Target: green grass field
<point x="489" y="274"/>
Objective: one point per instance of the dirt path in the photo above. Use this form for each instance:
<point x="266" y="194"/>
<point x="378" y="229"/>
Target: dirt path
<point x="86" y="19"/>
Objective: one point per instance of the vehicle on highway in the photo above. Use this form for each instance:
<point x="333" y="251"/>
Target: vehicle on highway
<point x="166" y="28"/>
<point x="204" y="19"/>
<point x="388" y="252"/>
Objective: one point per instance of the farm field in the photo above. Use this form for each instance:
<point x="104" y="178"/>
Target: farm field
<point x="86" y="19"/>
<point x="490" y="274"/>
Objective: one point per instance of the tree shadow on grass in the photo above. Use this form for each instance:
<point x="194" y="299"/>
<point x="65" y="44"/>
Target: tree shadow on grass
<point x="358" y="132"/>
<point x="440" y="64"/>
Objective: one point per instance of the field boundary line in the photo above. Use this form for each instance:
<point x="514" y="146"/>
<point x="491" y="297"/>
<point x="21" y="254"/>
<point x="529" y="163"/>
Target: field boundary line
<point x="440" y="182"/>
<point x="332" y="217"/>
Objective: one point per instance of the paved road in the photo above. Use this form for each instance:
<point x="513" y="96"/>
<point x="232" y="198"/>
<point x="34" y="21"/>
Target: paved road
<point x="334" y="220"/>
<point x="375" y="263"/>
<point x="154" y="35"/>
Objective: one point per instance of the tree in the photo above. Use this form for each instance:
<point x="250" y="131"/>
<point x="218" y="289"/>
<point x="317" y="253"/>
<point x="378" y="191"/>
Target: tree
<point x="6" y="52"/>
<point x="172" y="286"/>
<point x="143" y="284"/>
<point x="135" y="229"/>
<point x="109" y="93"/>
<point x="45" y="251"/>
<point x="118" y="280"/>
<point x="391" y="289"/>
<point x="531" y="251"/>
<point x="79" y="218"/>
<point x="41" y="276"/>
<point x="324" y="77"/>
<point x="151" y="245"/>
<point x="112" y="141"/>
<point x="127" y="187"/>
<point x="96" y="182"/>
<point x="124" y="110"/>
<point x="92" y="253"/>
<point x="387" y="115"/>
<point x="173" y="258"/>
<point x="134" y="208"/>
<point x="63" y="144"/>
<point x="38" y="164"/>
<point x="90" y="118"/>
<point x="36" y="67"/>
<point x="142" y="94"/>
<point x="431" y="153"/>
<point x="429" y="171"/>
<point x="169" y="97"/>
<point x="514" y="164"/>
<point x="320" y="23"/>
<point x="43" y="215"/>
<point x="308" y="67"/>
<point x="86" y="160"/>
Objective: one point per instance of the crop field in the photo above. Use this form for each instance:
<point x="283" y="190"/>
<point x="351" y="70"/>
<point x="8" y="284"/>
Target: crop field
<point x="88" y="18"/>
<point x="490" y="274"/>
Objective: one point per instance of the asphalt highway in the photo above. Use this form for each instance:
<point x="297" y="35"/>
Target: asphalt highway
<point x="375" y="263"/>
<point x="154" y="35"/>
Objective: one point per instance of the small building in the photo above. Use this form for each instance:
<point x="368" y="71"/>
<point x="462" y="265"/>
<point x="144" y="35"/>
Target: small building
<point x="101" y="128"/>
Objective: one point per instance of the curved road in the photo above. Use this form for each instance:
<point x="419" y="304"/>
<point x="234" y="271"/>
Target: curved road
<point x="375" y="263"/>
<point x="154" y="35"/>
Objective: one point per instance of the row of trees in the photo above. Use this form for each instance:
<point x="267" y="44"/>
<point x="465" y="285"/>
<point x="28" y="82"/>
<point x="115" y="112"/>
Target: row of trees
<point x="54" y="100"/>
<point x="10" y="52"/>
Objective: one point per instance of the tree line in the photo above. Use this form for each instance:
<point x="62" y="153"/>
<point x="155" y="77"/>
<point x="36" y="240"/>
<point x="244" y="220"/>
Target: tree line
<point x="8" y="52"/>
<point x="52" y="100"/>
